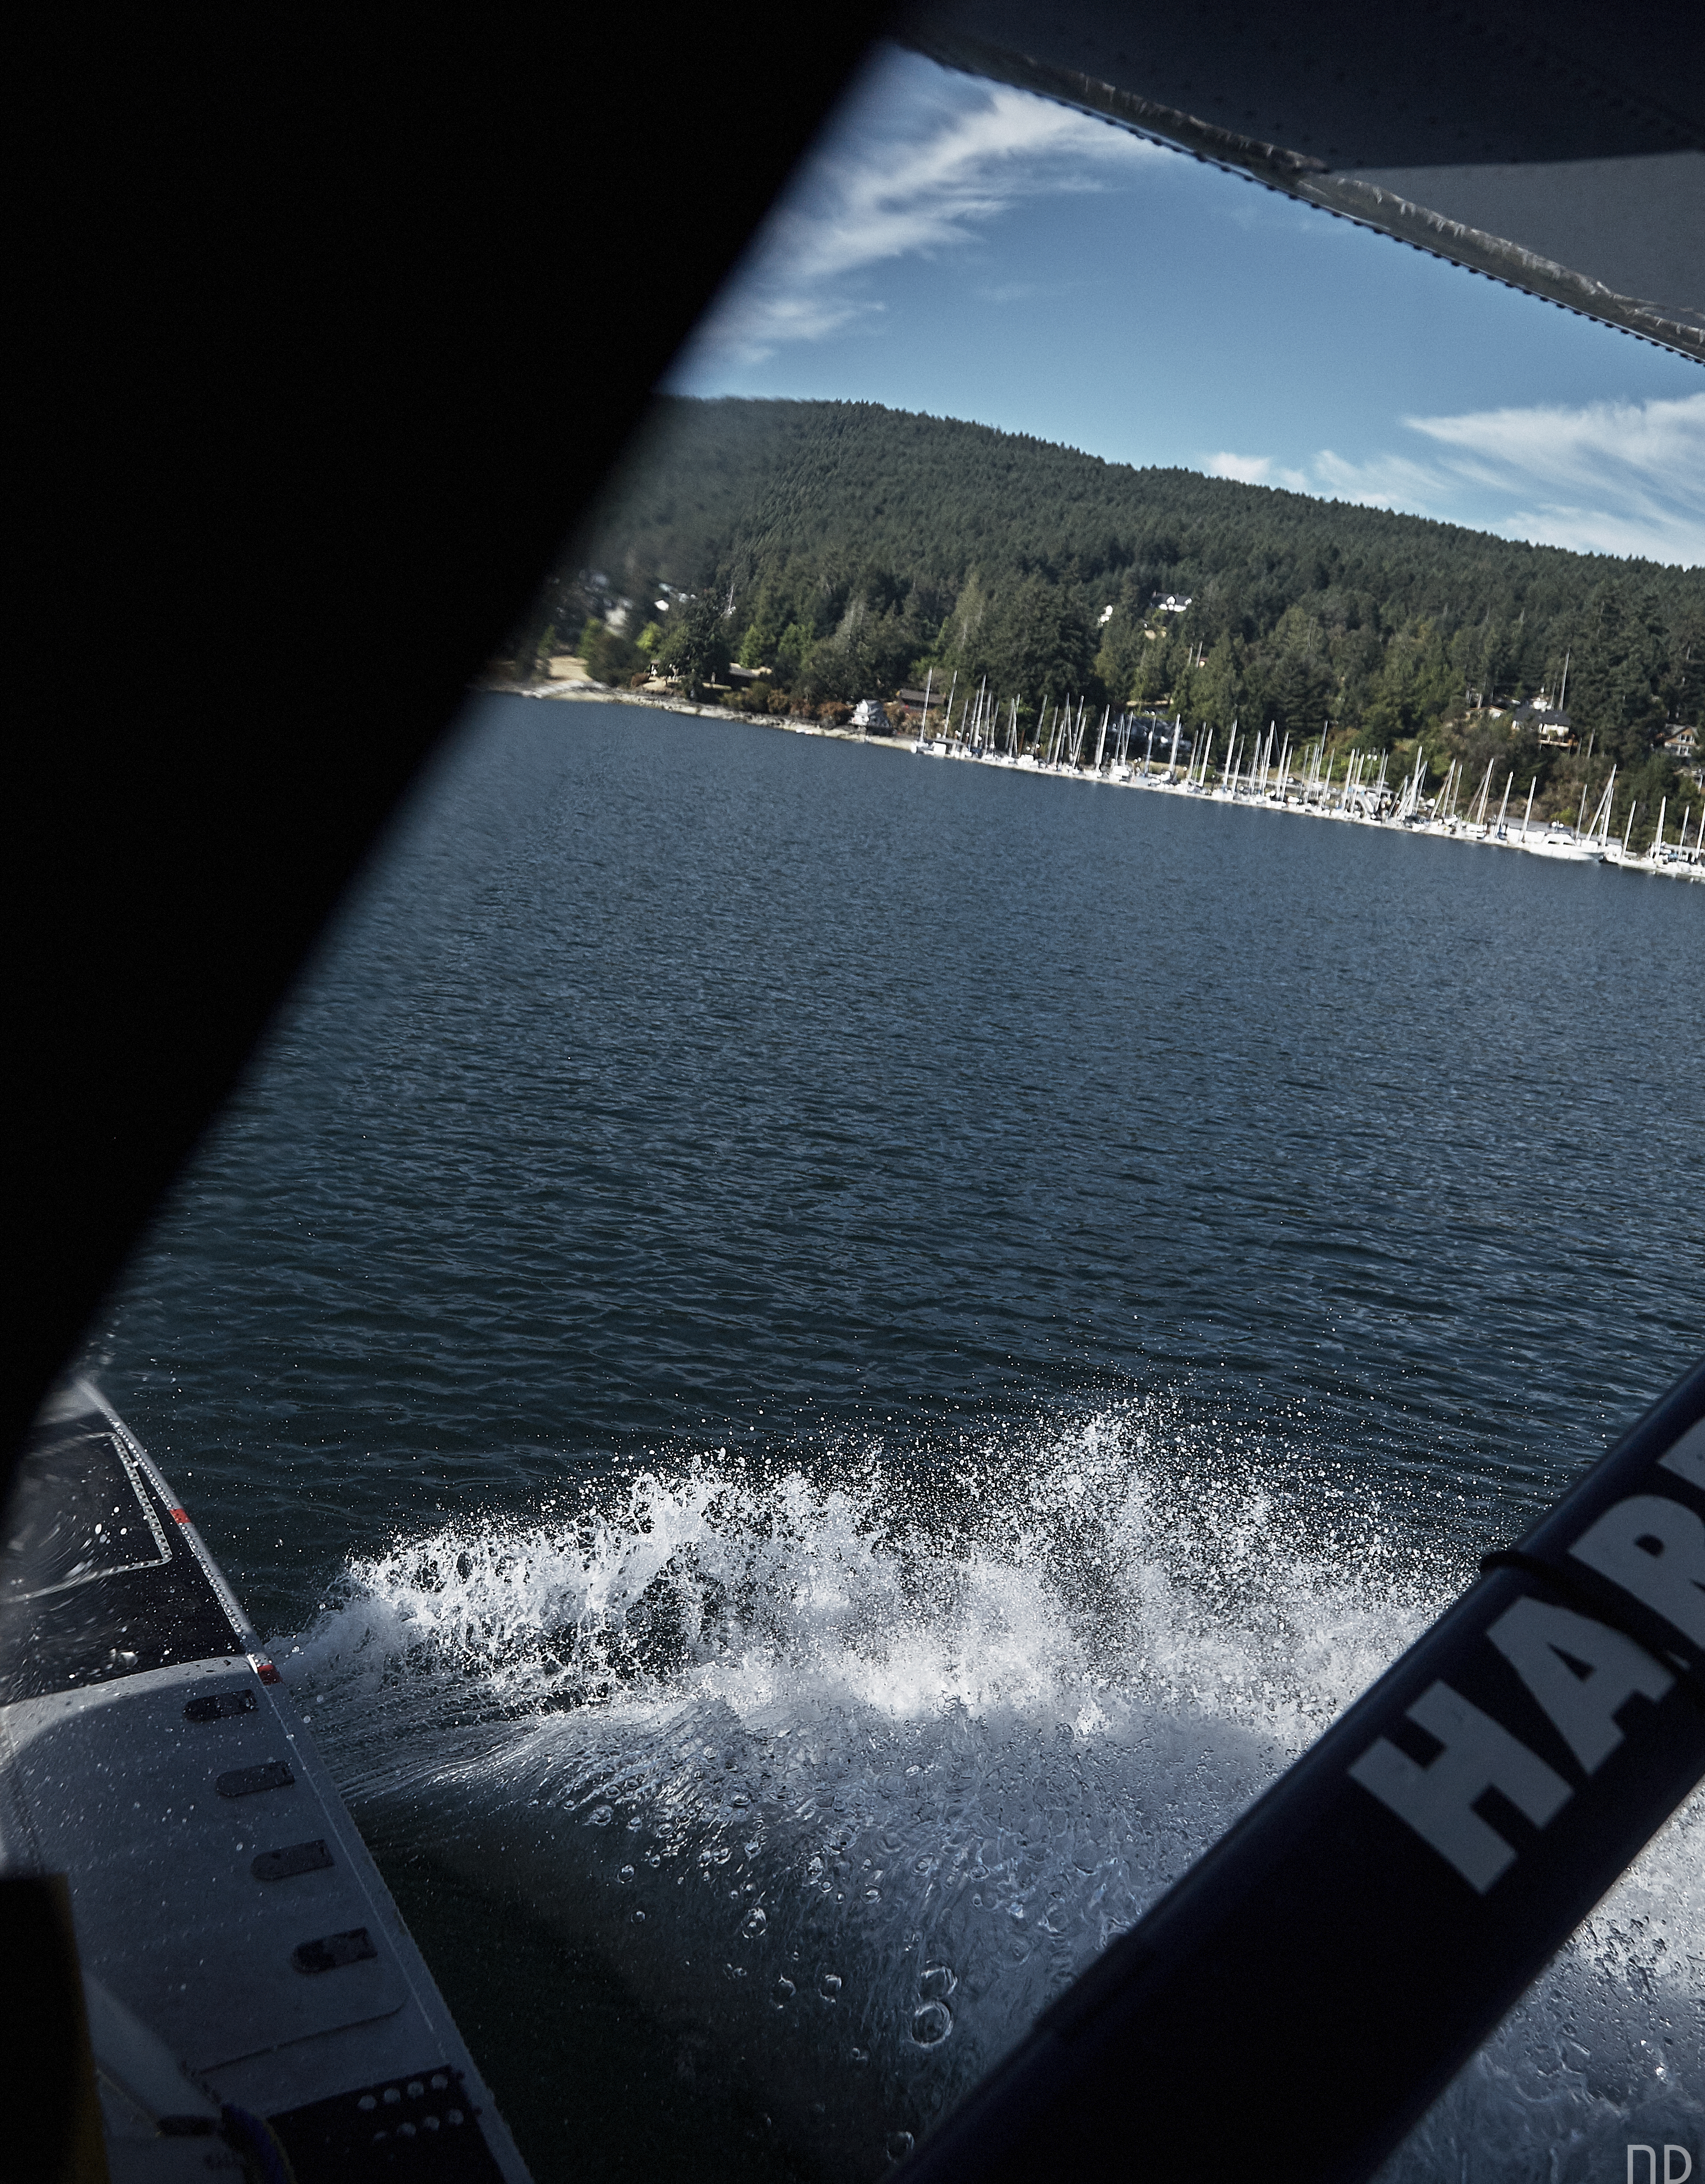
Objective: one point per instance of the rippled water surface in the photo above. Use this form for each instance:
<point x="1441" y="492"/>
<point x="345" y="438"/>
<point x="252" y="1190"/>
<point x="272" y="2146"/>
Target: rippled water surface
<point x="822" y="1364"/>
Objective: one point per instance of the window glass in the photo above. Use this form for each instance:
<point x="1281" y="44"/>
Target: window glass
<point x="818" y="1364"/>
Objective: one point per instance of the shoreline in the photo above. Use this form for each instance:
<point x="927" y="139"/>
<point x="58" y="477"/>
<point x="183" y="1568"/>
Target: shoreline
<point x="1692" y="867"/>
<point x="601" y="693"/>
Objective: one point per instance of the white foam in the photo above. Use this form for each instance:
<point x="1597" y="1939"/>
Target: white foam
<point x="937" y="1732"/>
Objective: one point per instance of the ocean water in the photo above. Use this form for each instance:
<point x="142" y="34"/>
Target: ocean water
<point x="820" y="1365"/>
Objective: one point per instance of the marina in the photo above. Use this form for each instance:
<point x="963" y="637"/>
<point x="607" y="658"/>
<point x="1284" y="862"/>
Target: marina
<point x="1300" y="777"/>
<point x="1134" y="751"/>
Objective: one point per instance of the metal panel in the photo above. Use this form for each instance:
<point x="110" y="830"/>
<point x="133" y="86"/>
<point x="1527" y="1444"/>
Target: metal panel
<point x="1570" y="164"/>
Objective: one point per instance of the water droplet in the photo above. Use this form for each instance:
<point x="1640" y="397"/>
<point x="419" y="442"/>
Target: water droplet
<point x="1021" y="1949"/>
<point x="861" y="2055"/>
<point x="937" y="1982"/>
<point x="601" y="1815"/>
<point x="931" y="2025"/>
<point x="756" y="1921"/>
<point x="873" y="1896"/>
<point x="829" y="1986"/>
<point x="814" y="1871"/>
<point x="625" y="1874"/>
<point x="783" y="1992"/>
<point x="898" y="2145"/>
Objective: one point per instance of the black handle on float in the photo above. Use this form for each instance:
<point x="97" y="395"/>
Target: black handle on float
<point x="1310" y="1985"/>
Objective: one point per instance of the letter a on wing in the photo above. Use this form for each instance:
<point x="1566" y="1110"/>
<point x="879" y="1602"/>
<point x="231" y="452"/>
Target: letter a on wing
<point x="1539" y="1642"/>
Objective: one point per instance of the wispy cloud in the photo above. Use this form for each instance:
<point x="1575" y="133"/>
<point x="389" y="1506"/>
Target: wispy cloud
<point x="1025" y="292"/>
<point x="917" y="167"/>
<point x="1612" y="477"/>
<point x="1383" y="480"/>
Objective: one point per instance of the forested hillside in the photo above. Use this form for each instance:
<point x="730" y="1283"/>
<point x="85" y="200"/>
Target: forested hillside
<point x="851" y="548"/>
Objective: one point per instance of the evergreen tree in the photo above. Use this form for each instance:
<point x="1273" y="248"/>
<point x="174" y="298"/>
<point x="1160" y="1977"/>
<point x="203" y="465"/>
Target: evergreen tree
<point x="696" y="648"/>
<point x="1614" y="689"/>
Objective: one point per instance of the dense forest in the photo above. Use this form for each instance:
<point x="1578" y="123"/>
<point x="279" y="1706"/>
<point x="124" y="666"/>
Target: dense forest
<point x="849" y="550"/>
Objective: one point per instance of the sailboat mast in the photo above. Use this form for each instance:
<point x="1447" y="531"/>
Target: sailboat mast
<point x="1601" y="818"/>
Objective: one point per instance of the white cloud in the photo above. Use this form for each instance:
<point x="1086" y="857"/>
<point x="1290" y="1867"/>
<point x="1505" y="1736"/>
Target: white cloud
<point x="1613" y="477"/>
<point x="1247" y="470"/>
<point x="1258" y="469"/>
<point x="918" y="165"/>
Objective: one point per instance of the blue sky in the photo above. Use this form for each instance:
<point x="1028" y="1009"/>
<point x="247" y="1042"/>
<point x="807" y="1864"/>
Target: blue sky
<point x="953" y="246"/>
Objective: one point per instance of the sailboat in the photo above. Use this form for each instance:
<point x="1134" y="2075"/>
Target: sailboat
<point x="1571" y="844"/>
